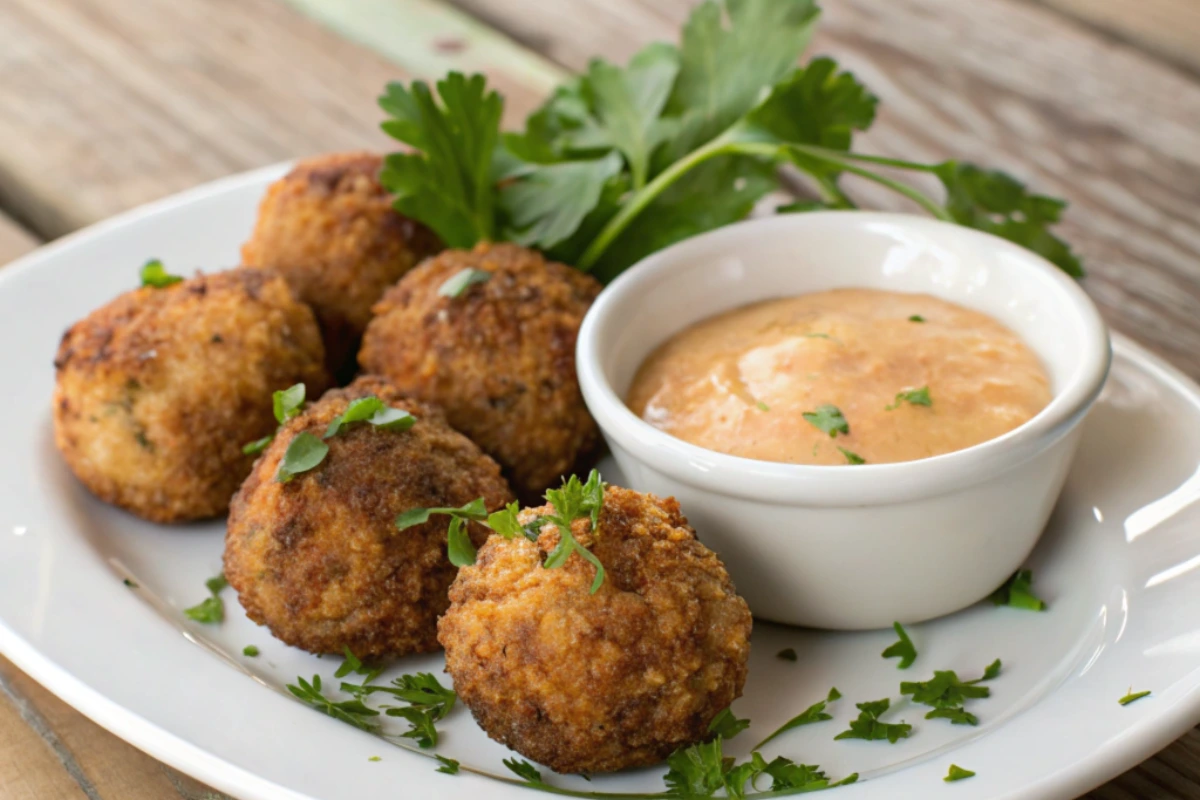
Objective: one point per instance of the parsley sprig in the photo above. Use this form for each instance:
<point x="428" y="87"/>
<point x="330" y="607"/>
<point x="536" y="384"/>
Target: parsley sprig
<point x="814" y="713"/>
<point x="352" y="712"/>
<point x="459" y="548"/>
<point x="622" y="161"/>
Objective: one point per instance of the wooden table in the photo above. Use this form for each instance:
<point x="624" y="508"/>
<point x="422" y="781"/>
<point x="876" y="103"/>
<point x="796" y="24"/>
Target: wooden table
<point x="111" y="103"/>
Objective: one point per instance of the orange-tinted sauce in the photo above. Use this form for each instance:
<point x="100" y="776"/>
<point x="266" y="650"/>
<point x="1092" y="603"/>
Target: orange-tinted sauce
<point x="741" y="382"/>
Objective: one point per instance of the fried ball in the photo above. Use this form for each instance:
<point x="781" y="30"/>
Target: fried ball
<point x="158" y="391"/>
<point x="319" y="560"/>
<point x="328" y="227"/>
<point x="499" y="358"/>
<point x="598" y="682"/>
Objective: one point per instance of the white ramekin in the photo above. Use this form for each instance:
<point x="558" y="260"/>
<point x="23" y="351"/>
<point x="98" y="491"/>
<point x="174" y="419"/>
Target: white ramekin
<point x="852" y="547"/>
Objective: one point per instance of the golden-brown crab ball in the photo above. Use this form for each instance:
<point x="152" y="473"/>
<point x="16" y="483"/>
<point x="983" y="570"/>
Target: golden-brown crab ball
<point x="318" y="558"/>
<point x="598" y="682"/>
<point x="499" y="357"/>
<point x="328" y="227"/>
<point x="158" y="390"/>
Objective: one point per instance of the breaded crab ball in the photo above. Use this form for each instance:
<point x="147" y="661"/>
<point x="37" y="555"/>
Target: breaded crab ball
<point x="328" y="227"/>
<point x="489" y="335"/>
<point x="158" y="390"/>
<point x="596" y="682"/>
<point x="316" y="555"/>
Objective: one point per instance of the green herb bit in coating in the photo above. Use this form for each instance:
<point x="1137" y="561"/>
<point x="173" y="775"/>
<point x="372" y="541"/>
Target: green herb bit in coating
<point x="155" y="275"/>
<point x="828" y="419"/>
<point x="916" y="318"/>
<point x="903" y="649"/>
<point x="459" y="282"/>
<point x="305" y="452"/>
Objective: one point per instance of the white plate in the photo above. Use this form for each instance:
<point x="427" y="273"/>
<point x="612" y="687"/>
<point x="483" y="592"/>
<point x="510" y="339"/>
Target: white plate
<point x="1119" y="565"/>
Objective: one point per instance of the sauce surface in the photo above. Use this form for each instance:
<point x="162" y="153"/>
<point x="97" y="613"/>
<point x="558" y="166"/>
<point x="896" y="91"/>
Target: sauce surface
<point x="741" y="382"/>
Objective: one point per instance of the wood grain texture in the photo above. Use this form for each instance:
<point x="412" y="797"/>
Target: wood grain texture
<point x="1169" y="28"/>
<point x="111" y="103"/>
<point x="1004" y="83"/>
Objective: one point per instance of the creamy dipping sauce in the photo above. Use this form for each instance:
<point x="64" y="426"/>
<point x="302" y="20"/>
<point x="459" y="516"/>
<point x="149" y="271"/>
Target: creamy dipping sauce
<point x="742" y="382"/>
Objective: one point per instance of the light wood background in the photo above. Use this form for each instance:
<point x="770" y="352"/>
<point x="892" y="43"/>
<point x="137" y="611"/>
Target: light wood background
<point x="106" y="104"/>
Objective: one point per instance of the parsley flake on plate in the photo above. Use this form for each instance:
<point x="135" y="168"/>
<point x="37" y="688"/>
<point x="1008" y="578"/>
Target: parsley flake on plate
<point x="814" y="713"/>
<point x="903" y="649"/>
<point x="155" y="275"/>
<point x="211" y="610"/>
<point x="459" y="282"/>
<point x="303" y="453"/>
<point x="868" y="725"/>
<point x="787" y="654"/>
<point x="523" y="769"/>
<point x="947" y="694"/>
<point x="1132" y="696"/>
<point x="828" y="419"/>
<point x="130" y="584"/>
<point x="957" y="773"/>
<point x="250" y="651"/>
<point x="914" y="397"/>
<point x="352" y="712"/>
<point x="375" y="758"/>
<point x="448" y="765"/>
<point x="1017" y="592"/>
<point x="851" y="456"/>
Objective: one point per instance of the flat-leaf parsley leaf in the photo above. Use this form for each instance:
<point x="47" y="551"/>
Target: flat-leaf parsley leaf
<point x="462" y="280"/>
<point x="303" y="453"/>
<point x="868" y="725"/>
<point x="1017" y="592"/>
<point x="903" y="649"/>
<point x="211" y="610"/>
<point x="828" y="419"/>
<point x="957" y="773"/>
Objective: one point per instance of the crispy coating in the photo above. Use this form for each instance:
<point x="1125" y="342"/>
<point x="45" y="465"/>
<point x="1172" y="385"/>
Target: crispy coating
<point x="158" y="390"/>
<point x="500" y="358"/>
<point x="597" y="683"/>
<point x="319" y="560"/>
<point x="328" y="227"/>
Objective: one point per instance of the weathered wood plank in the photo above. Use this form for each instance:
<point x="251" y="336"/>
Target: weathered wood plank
<point x="15" y="241"/>
<point x="1169" y="28"/>
<point x="30" y="769"/>
<point x="1005" y="83"/>
<point x="110" y="103"/>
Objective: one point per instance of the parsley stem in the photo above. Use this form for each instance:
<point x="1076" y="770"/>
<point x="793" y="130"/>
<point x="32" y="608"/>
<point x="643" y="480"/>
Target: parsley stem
<point x="643" y="197"/>
<point x="883" y="161"/>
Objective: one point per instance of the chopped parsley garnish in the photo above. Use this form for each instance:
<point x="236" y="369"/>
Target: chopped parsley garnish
<point x="373" y="410"/>
<point x="303" y="453"/>
<point x="851" y="456"/>
<point x="946" y="694"/>
<point x="868" y="726"/>
<point x="828" y="419"/>
<point x="814" y="713"/>
<point x="211" y="610"/>
<point x="250" y="651"/>
<point x="375" y="758"/>
<point x="286" y="403"/>
<point x="352" y="663"/>
<point x="1017" y="592"/>
<point x="459" y="282"/>
<point x="459" y="548"/>
<point x="154" y="274"/>
<point x="352" y="712"/>
<point x="903" y="649"/>
<point x="957" y="773"/>
<point x="727" y="725"/>
<point x="448" y="765"/>
<point x="914" y="397"/>
<point x="130" y="584"/>
<point x="916" y="318"/>
<point x="702" y="770"/>
<point x="787" y="654"/>
<point x="1132" y="696"/>
<point x="523" y="769"/>
<point x="761" y="406"/>
<point x="420" y="725"/>
<point x="573" y="501"/>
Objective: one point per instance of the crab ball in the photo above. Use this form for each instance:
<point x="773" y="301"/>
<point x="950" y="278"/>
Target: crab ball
<point x="158" y="390"/>
<point x="498" y="355"/>
<point x="318" y="558"/>
<point x="586" y="682"/>
<point x="328" y="227"/>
